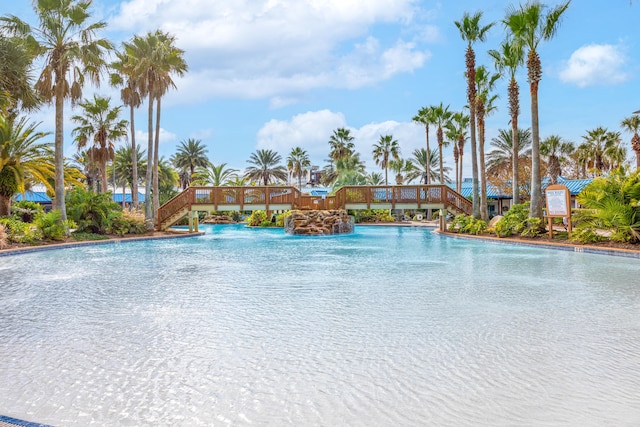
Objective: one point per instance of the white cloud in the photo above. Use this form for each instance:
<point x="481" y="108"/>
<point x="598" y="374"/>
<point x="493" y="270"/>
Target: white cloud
<point x="595" y="65"/>
<point x="166" y="137"/>
<point x="281" y="48"/>
<point x="310" y="131"/>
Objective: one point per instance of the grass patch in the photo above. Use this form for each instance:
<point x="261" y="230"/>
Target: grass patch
<point x="88" y="236"/>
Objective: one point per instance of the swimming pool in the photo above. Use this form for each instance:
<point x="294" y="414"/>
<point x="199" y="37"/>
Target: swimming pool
<point x="386" y="326"/>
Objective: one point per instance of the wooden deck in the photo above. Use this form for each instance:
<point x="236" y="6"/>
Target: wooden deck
<point x="195" y="199"/>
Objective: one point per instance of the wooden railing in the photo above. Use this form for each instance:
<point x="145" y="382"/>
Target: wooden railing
<point x="356" y="197"/>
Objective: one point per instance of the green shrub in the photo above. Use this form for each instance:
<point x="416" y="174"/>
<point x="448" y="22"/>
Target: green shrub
<point x="4" y="237"/>
<point x="532" y="227"/>
<point x="514" y="221"/>
<point x="20" y="232"/>
<point x="280" y="218"/>
<point x="52" y="226"/>
<point x="585" y="235"/>
<point x="26" y="211"/>
<point x="467" y="224"/>
<point x="257" y="218"/>
<point x="92" y="212"/>
<point x="373" y="215"/>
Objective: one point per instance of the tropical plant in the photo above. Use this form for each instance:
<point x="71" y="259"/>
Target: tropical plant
<point x="632" y="125"/>
<point x="52" y="226"/>
<point x="603" y="148"/>
<point x="471" y="31"/>
<point x="467" y="224"/>
<point x="168" y="181"/>
<point x="425" y="118"/>
<point x="298" y="164"/>
<point x="457" y="133"/>
<point x="100" y="126"/>
<point x="529" y="25"/>
<point x="24" y="160"/>
<point x="190" y="155"/>
<point x="26" y="210"/>
<point x="341" y="144"/>
<point x="375" y="178"/>
<point x="16" y="81"/>
<point x="67" y="41"/>
<point x="123" y="163"/>
<point x="402" y="169"/>
<point x="611" y="205"/>
<point x="216" y="176"/>
<point x="350" y="170"/>
<point x="265" y="167"/>
<point x="513" y="221"/>
<point x="557" y="152"/>
<point x="500" y="159"/>
<point x="507" y="60"/>
<point x="92" y="212"/>
<point x="126" y="80"/>
<point x="420" y="161"/>
<point x="441" y="116"/>
<point x="485" y="106"/>
<point x="386" y="148"/>
<point x="4" y="237"/>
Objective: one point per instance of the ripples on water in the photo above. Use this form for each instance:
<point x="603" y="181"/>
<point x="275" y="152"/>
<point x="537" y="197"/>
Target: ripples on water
<point x="389" y="326"/>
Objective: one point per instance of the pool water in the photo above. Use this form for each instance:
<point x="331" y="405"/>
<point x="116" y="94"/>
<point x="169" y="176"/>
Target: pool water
<point x="389" y="326"/>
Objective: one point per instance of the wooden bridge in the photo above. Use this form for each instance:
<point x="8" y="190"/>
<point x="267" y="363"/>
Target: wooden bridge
<point x="270" y="199"/>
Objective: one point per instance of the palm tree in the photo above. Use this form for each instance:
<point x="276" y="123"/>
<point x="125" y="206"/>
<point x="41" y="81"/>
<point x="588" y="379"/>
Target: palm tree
<point x="385" y="148"/>
<point x="485" y="106"/>
<point x="471" y="31"/>
<point x="341" y="144"/>
<point x="189" y="155"/>
<point x="421" y="162"/>
<point x="24" y="160"/>
<point x="265" y="167"/>
<point x="441" y="116"/>
<point x="557" y="152"/>
<point x="402" y="168"/>
<point x="603" y="147"/>
<point x="529" y="25"/>
<point x="457" y="133"/>
<point x="123" y="164"/>
<point x="508" y="59"/>
<point x="500" y="159"/>
<point x="99" y="125"/>
<point x="632" y="125"/>
<point x="168" y="180"/>
<point x="350" y="170"/>
<point x="125" y="78"/>
<point x="216" y="176"/>
<point x="16" y="81"/>
<point x="157" y="59"/>
<point x="298" y="163"/>
<point x="375" y="178"/>
<point x="83" y="161"/>
<point x="71" y="50"/>
<point x="425" y="118"/>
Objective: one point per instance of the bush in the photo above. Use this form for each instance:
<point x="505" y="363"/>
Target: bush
<point x="26" y="211"/>
<point x="585" y="236"/>
<point x="51" y="225"/>
<point x="4" y="238"/>
<point x="514" y="221"/>
<point x="257" y="218"/>
<point x="20" y="232"/>
<point x="373" y="215"/>
<point x="467" y="224"/>
<point x="92" y="212"/>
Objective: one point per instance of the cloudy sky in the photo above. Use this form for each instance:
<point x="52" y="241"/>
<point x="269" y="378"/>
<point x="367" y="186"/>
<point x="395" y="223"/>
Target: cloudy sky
<point x="279" y="74"/>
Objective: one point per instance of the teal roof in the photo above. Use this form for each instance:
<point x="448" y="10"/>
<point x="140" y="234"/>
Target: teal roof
<point x="492" y="191"/>
<point x="33" y="196"/>
<point x="575" y="186"/>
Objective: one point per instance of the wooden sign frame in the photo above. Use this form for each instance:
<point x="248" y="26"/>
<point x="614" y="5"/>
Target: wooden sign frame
<point x="558" y="205"/>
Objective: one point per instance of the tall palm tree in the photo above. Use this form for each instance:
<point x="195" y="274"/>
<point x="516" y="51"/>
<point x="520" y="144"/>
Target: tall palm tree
<point x="402" y="168"/>
<point x="341" y="144"/>
<point x="485" y="106"/>
<point x="100" y="126"/>
<point x="420" y="161"/>
<point x="265" y="167"/>
<point x="123" y="164"/>
<point x="557" y="152"/>
<point x="217" y="176"/>
<point x="157" y="59"/>
<point x="386" y="148"/>
<point x="500" y="159"/>
<point x="471" y="31"/>
<point x="126" y="80"/>
<point x="16" y="81"/>
<point x="189" y="155"/>
<point x="457" y="133"/>
<point x="441" y="116"/>
<point x="24" y="160"/>
<point x="350" y="170"/>
<point x="632" y="125"/>
<point x="72" y="54"/>
<point x="425" y="118"/>
<point x="603" y="147"/>
<point x="83" y="161"/>
<point x="507" y="60"/>
<point x="530" y="24"/>
<point x="298" y="164"/>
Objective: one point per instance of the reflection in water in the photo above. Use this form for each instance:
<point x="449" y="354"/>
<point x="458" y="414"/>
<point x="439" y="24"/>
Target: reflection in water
<point x="387" y="326"/>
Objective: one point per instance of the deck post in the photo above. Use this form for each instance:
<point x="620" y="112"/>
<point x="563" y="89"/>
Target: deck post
<point x="190" y="221"/>
<point x="443" y="220"/>
<point x="196" y="220"/>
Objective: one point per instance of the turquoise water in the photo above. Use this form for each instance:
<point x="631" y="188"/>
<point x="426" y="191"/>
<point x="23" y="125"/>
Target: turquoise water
<point x="388" y="326"/>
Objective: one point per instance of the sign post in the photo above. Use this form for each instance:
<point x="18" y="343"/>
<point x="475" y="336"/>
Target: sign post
<point x="558" y="205"/>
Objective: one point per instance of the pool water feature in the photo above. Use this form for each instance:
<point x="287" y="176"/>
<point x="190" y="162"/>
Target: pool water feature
<point x="385" y="326"/>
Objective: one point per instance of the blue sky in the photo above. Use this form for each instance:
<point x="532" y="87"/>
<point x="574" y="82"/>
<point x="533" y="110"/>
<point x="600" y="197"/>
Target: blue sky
<point x="279" y="74"/>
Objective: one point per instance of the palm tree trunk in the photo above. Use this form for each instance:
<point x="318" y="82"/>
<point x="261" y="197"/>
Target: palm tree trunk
<point x="514" y="108"/>
<point x="5" y="205"/>
<point x="484" y="211"/>
<point x="156" y="192"/>
<point x="103" y="176"/>
<point x="58" y="200"/>
<point x="148" y="197"/>
<point x="134" y="161"/>
<point x="428" y="166"/>
<point x="536" y="179"/>
<point x="470" y="61"/>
